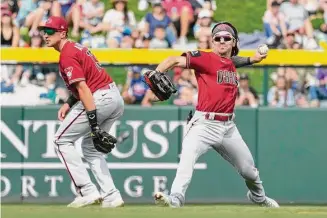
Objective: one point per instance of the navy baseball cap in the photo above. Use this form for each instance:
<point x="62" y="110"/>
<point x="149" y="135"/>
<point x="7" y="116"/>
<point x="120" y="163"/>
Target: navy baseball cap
<point x="135" y="69"/>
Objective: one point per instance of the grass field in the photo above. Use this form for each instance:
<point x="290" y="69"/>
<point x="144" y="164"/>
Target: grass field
<point x="221" y="211"/>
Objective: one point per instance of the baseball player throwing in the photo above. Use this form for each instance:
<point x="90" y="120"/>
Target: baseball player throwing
<point x="94" y="105"/>
<point x="212" y="126"/>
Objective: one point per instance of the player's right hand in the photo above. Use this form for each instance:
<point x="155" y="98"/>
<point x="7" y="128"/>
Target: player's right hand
<point x="63" y="112"/>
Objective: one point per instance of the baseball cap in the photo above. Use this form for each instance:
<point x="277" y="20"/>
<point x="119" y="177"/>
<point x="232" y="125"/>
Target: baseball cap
<point x="135" y="69"/>
<point x="204" y="13"/>
<point x="57" y="23"/>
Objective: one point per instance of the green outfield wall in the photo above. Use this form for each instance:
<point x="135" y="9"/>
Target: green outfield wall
<point x="289" y="147"/>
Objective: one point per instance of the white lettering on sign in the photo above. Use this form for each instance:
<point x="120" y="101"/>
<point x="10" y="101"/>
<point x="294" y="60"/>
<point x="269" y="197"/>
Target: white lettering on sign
<point x="23" y="147"/>
<point x="53" y="184"/>
<point x="6" y="187"/>
<point x="159" y="184"/>
<point x="28" y="183"/>
<point x="138" y="189"/>
<point x="155" y="137"/>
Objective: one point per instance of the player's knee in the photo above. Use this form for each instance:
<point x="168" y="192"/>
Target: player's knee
<point x="56" y="142"/>
<point x="249" y="172"/>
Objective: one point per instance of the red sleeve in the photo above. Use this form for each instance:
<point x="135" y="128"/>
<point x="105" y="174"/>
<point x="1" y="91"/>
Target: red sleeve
<point x="72" y="69"/>
<point x="196" y="60"/>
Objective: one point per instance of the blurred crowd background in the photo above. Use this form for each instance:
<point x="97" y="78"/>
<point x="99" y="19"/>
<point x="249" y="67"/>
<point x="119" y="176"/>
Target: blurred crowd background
<point x="164" y="24"/>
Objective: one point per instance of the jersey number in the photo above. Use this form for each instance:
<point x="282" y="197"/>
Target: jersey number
<point x="88" y="52"/>
<point x="96" y="62"/>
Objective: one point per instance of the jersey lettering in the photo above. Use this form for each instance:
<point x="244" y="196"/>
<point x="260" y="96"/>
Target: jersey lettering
<point x="224" y="76"/>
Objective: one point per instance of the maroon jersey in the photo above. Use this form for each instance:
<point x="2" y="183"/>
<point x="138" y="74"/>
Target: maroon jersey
<point x="217" y="81"/>
<point x="77" y="63"/>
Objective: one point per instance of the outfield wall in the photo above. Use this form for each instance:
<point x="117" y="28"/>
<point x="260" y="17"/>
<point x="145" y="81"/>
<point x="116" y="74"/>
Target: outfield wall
<point x="289" y="146"/>
<point x="276" y="57"/>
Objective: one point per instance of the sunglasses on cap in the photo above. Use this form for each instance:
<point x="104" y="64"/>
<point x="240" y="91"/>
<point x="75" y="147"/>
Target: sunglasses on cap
<point x="48" y="31"/>
<point x="225" y="38"/>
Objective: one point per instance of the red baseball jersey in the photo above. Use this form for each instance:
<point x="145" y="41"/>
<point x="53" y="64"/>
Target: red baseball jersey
<point x="217" y="81"/>
<point x="77" y="63"/>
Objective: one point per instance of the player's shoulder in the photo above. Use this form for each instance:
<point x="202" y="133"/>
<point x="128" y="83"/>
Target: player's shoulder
<point x="70" y="50"/>
<point x="74" y="47"/>
<point x="196" y="53"/>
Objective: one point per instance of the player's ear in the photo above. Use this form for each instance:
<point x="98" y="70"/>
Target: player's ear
<point x="234" y="42"/>
<point x="63" y="34"/>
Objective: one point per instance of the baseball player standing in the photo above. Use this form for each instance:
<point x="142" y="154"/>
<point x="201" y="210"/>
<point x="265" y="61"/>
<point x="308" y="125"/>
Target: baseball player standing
<point x="212" y="126"/>
<point x="95" y="104"/>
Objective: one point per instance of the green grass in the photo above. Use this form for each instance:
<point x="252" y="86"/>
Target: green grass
<point x="220" y="211"/>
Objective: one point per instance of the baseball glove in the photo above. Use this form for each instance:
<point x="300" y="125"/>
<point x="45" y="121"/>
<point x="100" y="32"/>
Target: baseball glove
<point x="103" y="141"/>
<point x="160" y="84"/>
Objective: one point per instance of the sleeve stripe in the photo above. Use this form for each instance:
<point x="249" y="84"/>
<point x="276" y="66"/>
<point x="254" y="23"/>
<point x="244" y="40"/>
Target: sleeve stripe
<point x="75" y="80"/>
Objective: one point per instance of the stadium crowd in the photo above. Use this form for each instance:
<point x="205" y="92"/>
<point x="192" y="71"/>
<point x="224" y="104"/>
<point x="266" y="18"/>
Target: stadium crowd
<point x="181" y="24"/>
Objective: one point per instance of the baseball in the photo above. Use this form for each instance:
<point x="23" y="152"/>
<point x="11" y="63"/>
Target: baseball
<point x="263" y="49"/>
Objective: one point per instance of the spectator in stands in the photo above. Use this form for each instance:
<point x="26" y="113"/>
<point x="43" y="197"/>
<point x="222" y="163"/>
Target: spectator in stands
<point x="26" y="7"/>
<point x="182" y="15"/>
<point x="159" y="39"/>
<point x="299" y="23"/>
<point x="319" y="92"/>
<point x="311" y="6"/>
<point x="159" y="18"/>
<point x="71" y="10"/>
<point x="203" y="43"/>
<point x="144" y="4"/>
<point x="11" y="5"/>
<point x="247" y="95"/>
<point x="187" y="88"/>
<point x="134" y="89"/>
<point x="36" y="40"/>
<point x="92" y="14"/>
<point x="281" y="95"/>
<point x="50" y="85"/>
<point x="323" y="6"/>
<point x="198" y="5"/>
<point x="137" y="38"/>
<point x="53" y="94"/>
<point x="9" y="32"/>
<point x="34" y="18"/>
<point x="269" y="2"/>
<point x="204" y="25"/>
<point x="290" y="42"/>
<point x="117" y="22"/>
<point x="275" y="25"/>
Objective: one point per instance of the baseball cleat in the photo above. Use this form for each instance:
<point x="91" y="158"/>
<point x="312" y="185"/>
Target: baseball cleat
<point x="113" y="204"/>
<point x="268" y="202"/>
<point x="85" y="201"/>
<point x="162" y="199"/>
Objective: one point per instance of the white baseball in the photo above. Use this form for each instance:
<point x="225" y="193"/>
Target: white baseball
<point x="263" y="49"/>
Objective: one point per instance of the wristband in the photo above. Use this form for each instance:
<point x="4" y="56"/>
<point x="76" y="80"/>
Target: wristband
<point x="71" y="101"/>
<point x="92" y="116"/>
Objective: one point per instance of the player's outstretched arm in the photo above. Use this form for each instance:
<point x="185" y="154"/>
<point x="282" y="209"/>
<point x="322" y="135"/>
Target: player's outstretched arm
<point x="170" y="62"/>
<point x="260" y="54"/>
